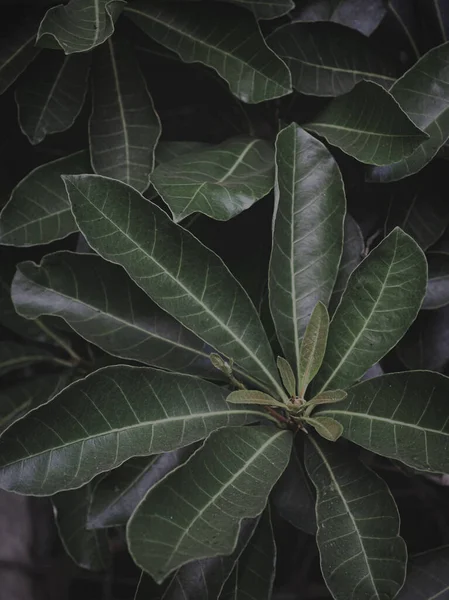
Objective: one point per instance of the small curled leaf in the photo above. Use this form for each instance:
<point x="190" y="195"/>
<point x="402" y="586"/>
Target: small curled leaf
<point x="287" y="375"/>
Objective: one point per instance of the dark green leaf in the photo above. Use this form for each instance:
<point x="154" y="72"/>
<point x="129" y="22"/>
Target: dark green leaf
<point x="380" y="303"/>
<point x="88" y="549"/>
<point x="287" y="375"/>
<point x="220" y="181"/>
<point x="422" y="94"/>
<point x="253" y="575"/>
<point x="182" y="519"/>
<point x="437" y="294"/>
<point x="427" y="576"/>
<point x="193" y="284"/>
<point x="368" y="124"/>
<point x="266" y="9"/>
<point x="124" y="127"/>
<point x="79" y="25"/>
<point x="99" y="422"/>
<point x="308" y="234"/>
<point x="313" y="347"/>
<point x="328" y="59"/>
<point x="38" y="211"/>
<point x="403" y="416"/>
<point x="18" y="51"/>
<point x="82" y="289"/>
<point x="224" y="38"/>
<point x="353" y="248"/>
<point x="362" y="554"/>
<point x="51" y="94"/>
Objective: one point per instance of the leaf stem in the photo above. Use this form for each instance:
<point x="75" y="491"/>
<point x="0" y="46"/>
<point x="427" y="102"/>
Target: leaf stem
<point x="59" y="341"/>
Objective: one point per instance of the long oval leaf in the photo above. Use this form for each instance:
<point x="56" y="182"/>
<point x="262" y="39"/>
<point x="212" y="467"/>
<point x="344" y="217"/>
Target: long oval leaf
<point x="82" y="290"/>
<point x="193" y="284"/>
<point x="381" y="301"/>
<point x="400" y="415"/>
<point x="329" y="59"/>
<point x="18" y="51"/>
<point x="97" y="423"/>
<point x="195" y="512"/>
<point x="313" y="346"/>
<point x="368" y="124"/>
<point x="308" y="234"/>
<point x="224" y="38"/>
<point x="362" y="554"/>
<point x="38" y="211"/>
<point x="219" y="182"/>
<point x="51" y="94"/>
<point x="124" y="127"/>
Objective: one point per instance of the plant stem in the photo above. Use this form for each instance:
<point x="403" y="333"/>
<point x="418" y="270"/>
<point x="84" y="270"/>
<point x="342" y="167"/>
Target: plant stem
<point x="59" y="341"/>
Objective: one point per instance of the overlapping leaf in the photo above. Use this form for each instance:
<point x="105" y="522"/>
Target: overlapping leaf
<point x="380" y="303"/>
<point x="174" y="269"/>
<point x="195" y="512"/>
<point x="368" y="124"/>
<point x="308" y="234"/>
<point x="427" y="576"/>
<point x="362" y="554"/>
<point x="328" y="59"/>
<point x="266" y="9"/>
<point x="437" y="294"/>
<point x="15" y="355"/>
<point x="38" y="211"/>
<point x="51" y="94"/>
<point x="18" y="51"/>
<point x="99" y="422"/>
<point x="88" y="549"/>
<point x="124" y="127"/>
<point x="79" y="25"/>
<point x="403" y="416"/>
<point x="219" y="182"/>
<point x="222" y="37"/>
<point x="82" y="289"/>
<point x="422" y="92"/>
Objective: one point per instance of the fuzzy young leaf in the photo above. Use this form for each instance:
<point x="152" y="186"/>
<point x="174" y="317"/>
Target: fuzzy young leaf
<point x="51" y="94"/>
<point x="82" y="290"/>
<point x="328" y="397"/>
<point x="88" y="549"/>
<point x="328" y="428"/>
<point x="79" y="25"/>
<point x="403" y="416"/>
<point x="219" y="182"/>
<point x="287" y="375"/>
<point x="368" y="124"/>
<point x="308" y="234"/>
<point x="18" y="51"/>
<point x="38" y="211"/>
<point x="313" y="346"/>
<point x="191" y="521"/>
<point x="329" y="59"/>
<point x="99" y="422"/>
<point x="124" y="127"/>
<point x="253" y="397"/>
<point x="225" y="38"/>
<point x="193" y="284"/>
<point x="381" y="301"/>
<point x="362" y="554"/>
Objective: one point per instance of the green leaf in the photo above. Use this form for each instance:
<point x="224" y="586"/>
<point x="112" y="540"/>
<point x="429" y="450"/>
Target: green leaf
<point x="368" y="124"/>
<point x="326" y="427"/>
<point x="287" y="375"/>
<point x="362" y="554"/>
<point x="180" y="520"/>
<point x="266" y="9"/>
<point x="88" y="549"/>
<point x="427" y="576"/>
<point x="222" y="37"/>
<point x="38" y="211"/>
<point x="313" y="346"/>
<point x="166" y="151"/>
<point x="353" y="247"/>
<point x="117" y="494"/>
<point x="99" y="422"/>
<point x="219" y="182"/>
<point x="380" y="303"/>
<point x="403" y="416"/>
<point x="308" y="234"/>
<point x="328" y="397"/>
<point x="124" y="127"/>
<point x="18" y="51"/>
<point x="253" y="574"/>
<point x="51" y="94"/>
<point x="422" y="94"/>
<point x="253" y="397"/>
<point x="193" y="284"/>
<point x="79" y="25"/>
<point x="82" y="289"/>
<point x="329" y="59"/>
<point x="15" y="355"/>
<point x="437" y="294"/>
